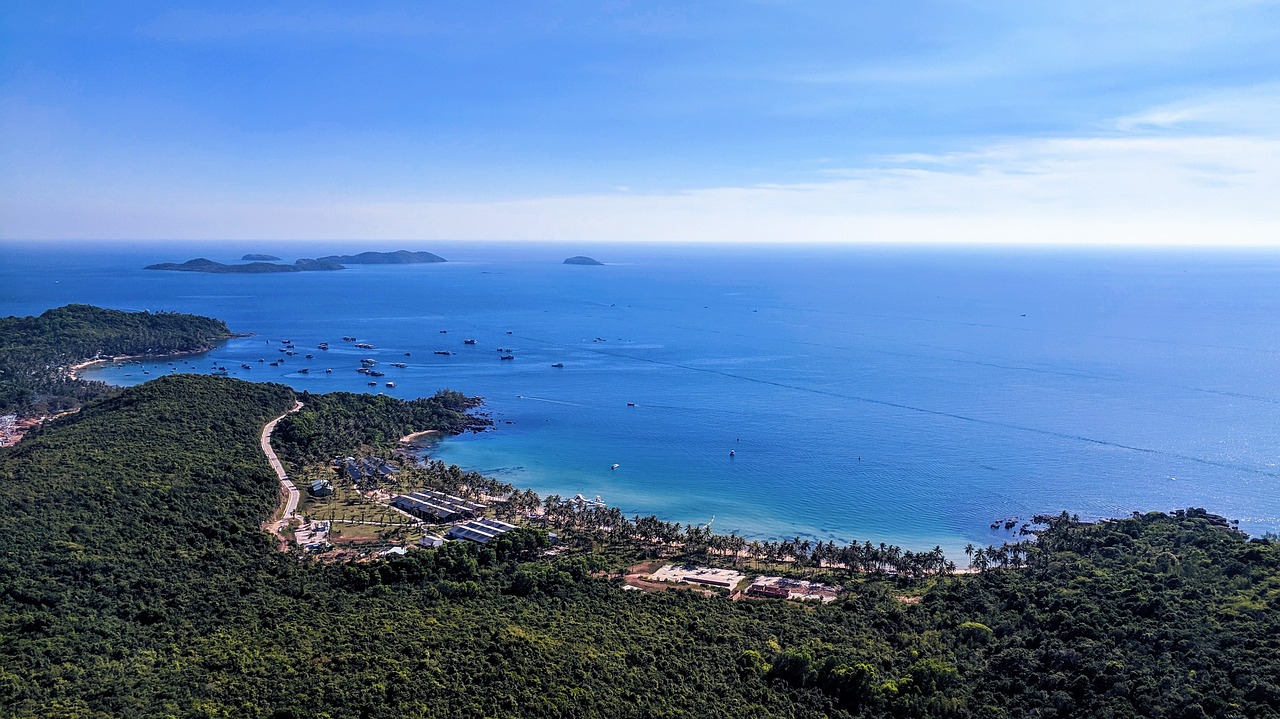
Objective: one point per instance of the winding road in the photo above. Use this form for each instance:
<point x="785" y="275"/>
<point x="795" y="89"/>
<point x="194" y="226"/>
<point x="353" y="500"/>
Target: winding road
<point x="291" y="492"/>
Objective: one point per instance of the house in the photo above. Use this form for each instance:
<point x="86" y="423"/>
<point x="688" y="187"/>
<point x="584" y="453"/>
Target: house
<point x="430" y="540"/>
<point x="321" y="488"/>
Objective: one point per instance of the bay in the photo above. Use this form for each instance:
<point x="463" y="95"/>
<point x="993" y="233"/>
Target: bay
<point x="899" y="395"/>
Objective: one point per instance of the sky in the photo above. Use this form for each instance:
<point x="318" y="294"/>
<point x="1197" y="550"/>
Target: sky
<point x="1147" y="123"/>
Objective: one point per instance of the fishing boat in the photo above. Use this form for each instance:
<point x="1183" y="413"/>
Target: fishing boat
<point x="391" y="384"/>
<point x="468" y="342"/>
<point x="507" y="357"/>
<point x="348" y="339"/>
<point x="558" y="364"/>
<point x="322" y="346"/>
<point x="446" y="353"/>
<point x="304" y="370"/>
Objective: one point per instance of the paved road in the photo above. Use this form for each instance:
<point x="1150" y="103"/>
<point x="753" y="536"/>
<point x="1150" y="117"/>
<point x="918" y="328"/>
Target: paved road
<point x="291" y="503"/>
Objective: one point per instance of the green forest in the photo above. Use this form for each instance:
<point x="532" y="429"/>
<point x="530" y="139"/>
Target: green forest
<point x="35" y="352"/>
<point x="135" y="581"/>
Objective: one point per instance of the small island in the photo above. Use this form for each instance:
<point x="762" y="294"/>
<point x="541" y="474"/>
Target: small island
<point x="323" y="264"/>
<point x="399" y="257"/>
<point x="582" y="260"/>
<point x="253" y="257"/>
<point x="201" y="264"/>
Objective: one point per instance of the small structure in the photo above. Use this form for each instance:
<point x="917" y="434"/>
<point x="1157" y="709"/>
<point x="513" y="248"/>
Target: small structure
<point x="430" y="540"/>
<point x="692" y="574"/>
<point x="480" y="530"/>
<point x="393" y="552"/>
<point x="321" y="488"/>
<point x="786" y="588"/>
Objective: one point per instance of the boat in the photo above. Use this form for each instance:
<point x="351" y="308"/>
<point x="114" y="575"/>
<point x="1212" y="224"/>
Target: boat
<point x="304" y="370"/>
<point x="373" y="384"/>
<point x="245" y="365"/>
<point x="444" y="332"/>
<point x="365" y="346"/>
<point x="368" y="361"/>
<point x="406" y="354"/>
<point x="615" y="466"/>
<point x="391" y="384"/>
<point x="504" y="357"/>
<point x="468" y="342"/>
<point x="375" y="373"/>
<point x="443" y="352"/>
<point x="363" y="370"/>
<point x="401" y="365"/>
<point x="261" y="359"/>
<point x="322" y="346"/>
<point x="631" y="404"/>
<point x="282" y="349"/>
<point x="311" y="356"/>
<point x="731" y="453"/>
<point x="558" y="364"/>
<point x="348" y="339"/>
<point x="329" y="370"/>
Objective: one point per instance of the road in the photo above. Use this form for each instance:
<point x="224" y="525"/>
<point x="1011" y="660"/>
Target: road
<point x="292" y="496"/>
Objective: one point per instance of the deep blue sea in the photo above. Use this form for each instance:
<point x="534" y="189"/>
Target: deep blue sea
<point x="908" y="396"/>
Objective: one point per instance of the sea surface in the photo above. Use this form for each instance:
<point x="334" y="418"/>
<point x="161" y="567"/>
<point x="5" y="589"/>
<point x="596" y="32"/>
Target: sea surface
<point x="907" y="396"/>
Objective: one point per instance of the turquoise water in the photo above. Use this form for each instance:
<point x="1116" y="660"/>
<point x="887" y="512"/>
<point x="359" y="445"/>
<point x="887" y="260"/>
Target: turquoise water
<point x="908" y="396"/>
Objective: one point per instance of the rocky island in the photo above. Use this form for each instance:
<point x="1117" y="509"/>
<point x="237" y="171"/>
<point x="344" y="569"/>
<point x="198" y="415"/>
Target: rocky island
<point x="582" y="260"/>
<point x="254" y="257"/>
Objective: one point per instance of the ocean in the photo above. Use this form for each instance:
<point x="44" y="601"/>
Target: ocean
<point x="910" y="396"/>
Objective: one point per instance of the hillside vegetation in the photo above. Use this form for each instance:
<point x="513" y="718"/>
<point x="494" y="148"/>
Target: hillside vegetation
<point x="35" y="352"/>
<point x="134" y="581"/>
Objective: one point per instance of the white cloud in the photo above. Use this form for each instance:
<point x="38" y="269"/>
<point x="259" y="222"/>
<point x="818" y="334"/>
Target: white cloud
<point x="1137" y="187"/>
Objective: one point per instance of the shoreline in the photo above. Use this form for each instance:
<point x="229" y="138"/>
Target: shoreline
<point x="408" y="438"/>
<point x="74" y="370"/>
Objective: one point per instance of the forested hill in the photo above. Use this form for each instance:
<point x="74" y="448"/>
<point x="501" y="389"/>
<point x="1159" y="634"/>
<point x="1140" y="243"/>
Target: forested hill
<point x="35" y="352"/>
<point x="336" y="423"/>
<point x="134" y="581"/>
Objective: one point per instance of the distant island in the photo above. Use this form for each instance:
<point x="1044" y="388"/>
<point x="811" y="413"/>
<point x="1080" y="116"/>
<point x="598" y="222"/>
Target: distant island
<point x="582" y="260"/>
<point x="332" y="262"/>
<point x="399" y="257"/>
<point x="201" y="264"/>
<point x="260" y="258"/>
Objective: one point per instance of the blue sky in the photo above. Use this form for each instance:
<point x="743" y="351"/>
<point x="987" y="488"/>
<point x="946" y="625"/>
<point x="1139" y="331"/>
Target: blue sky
<point x="1135" y="122"/>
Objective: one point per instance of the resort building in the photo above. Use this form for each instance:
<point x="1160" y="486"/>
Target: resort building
<point x="480" y="530"/>
<point x="786" y="588"/>
<point x="437" y="505"/>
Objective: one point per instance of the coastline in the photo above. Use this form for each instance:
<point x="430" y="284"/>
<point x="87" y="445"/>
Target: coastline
<point x="74" y="369"/>
<point x="410" y="437"/>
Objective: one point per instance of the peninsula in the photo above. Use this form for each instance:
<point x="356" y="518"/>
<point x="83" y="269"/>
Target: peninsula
<point x="582" y="260"/>
<point x="141" y="517"/>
